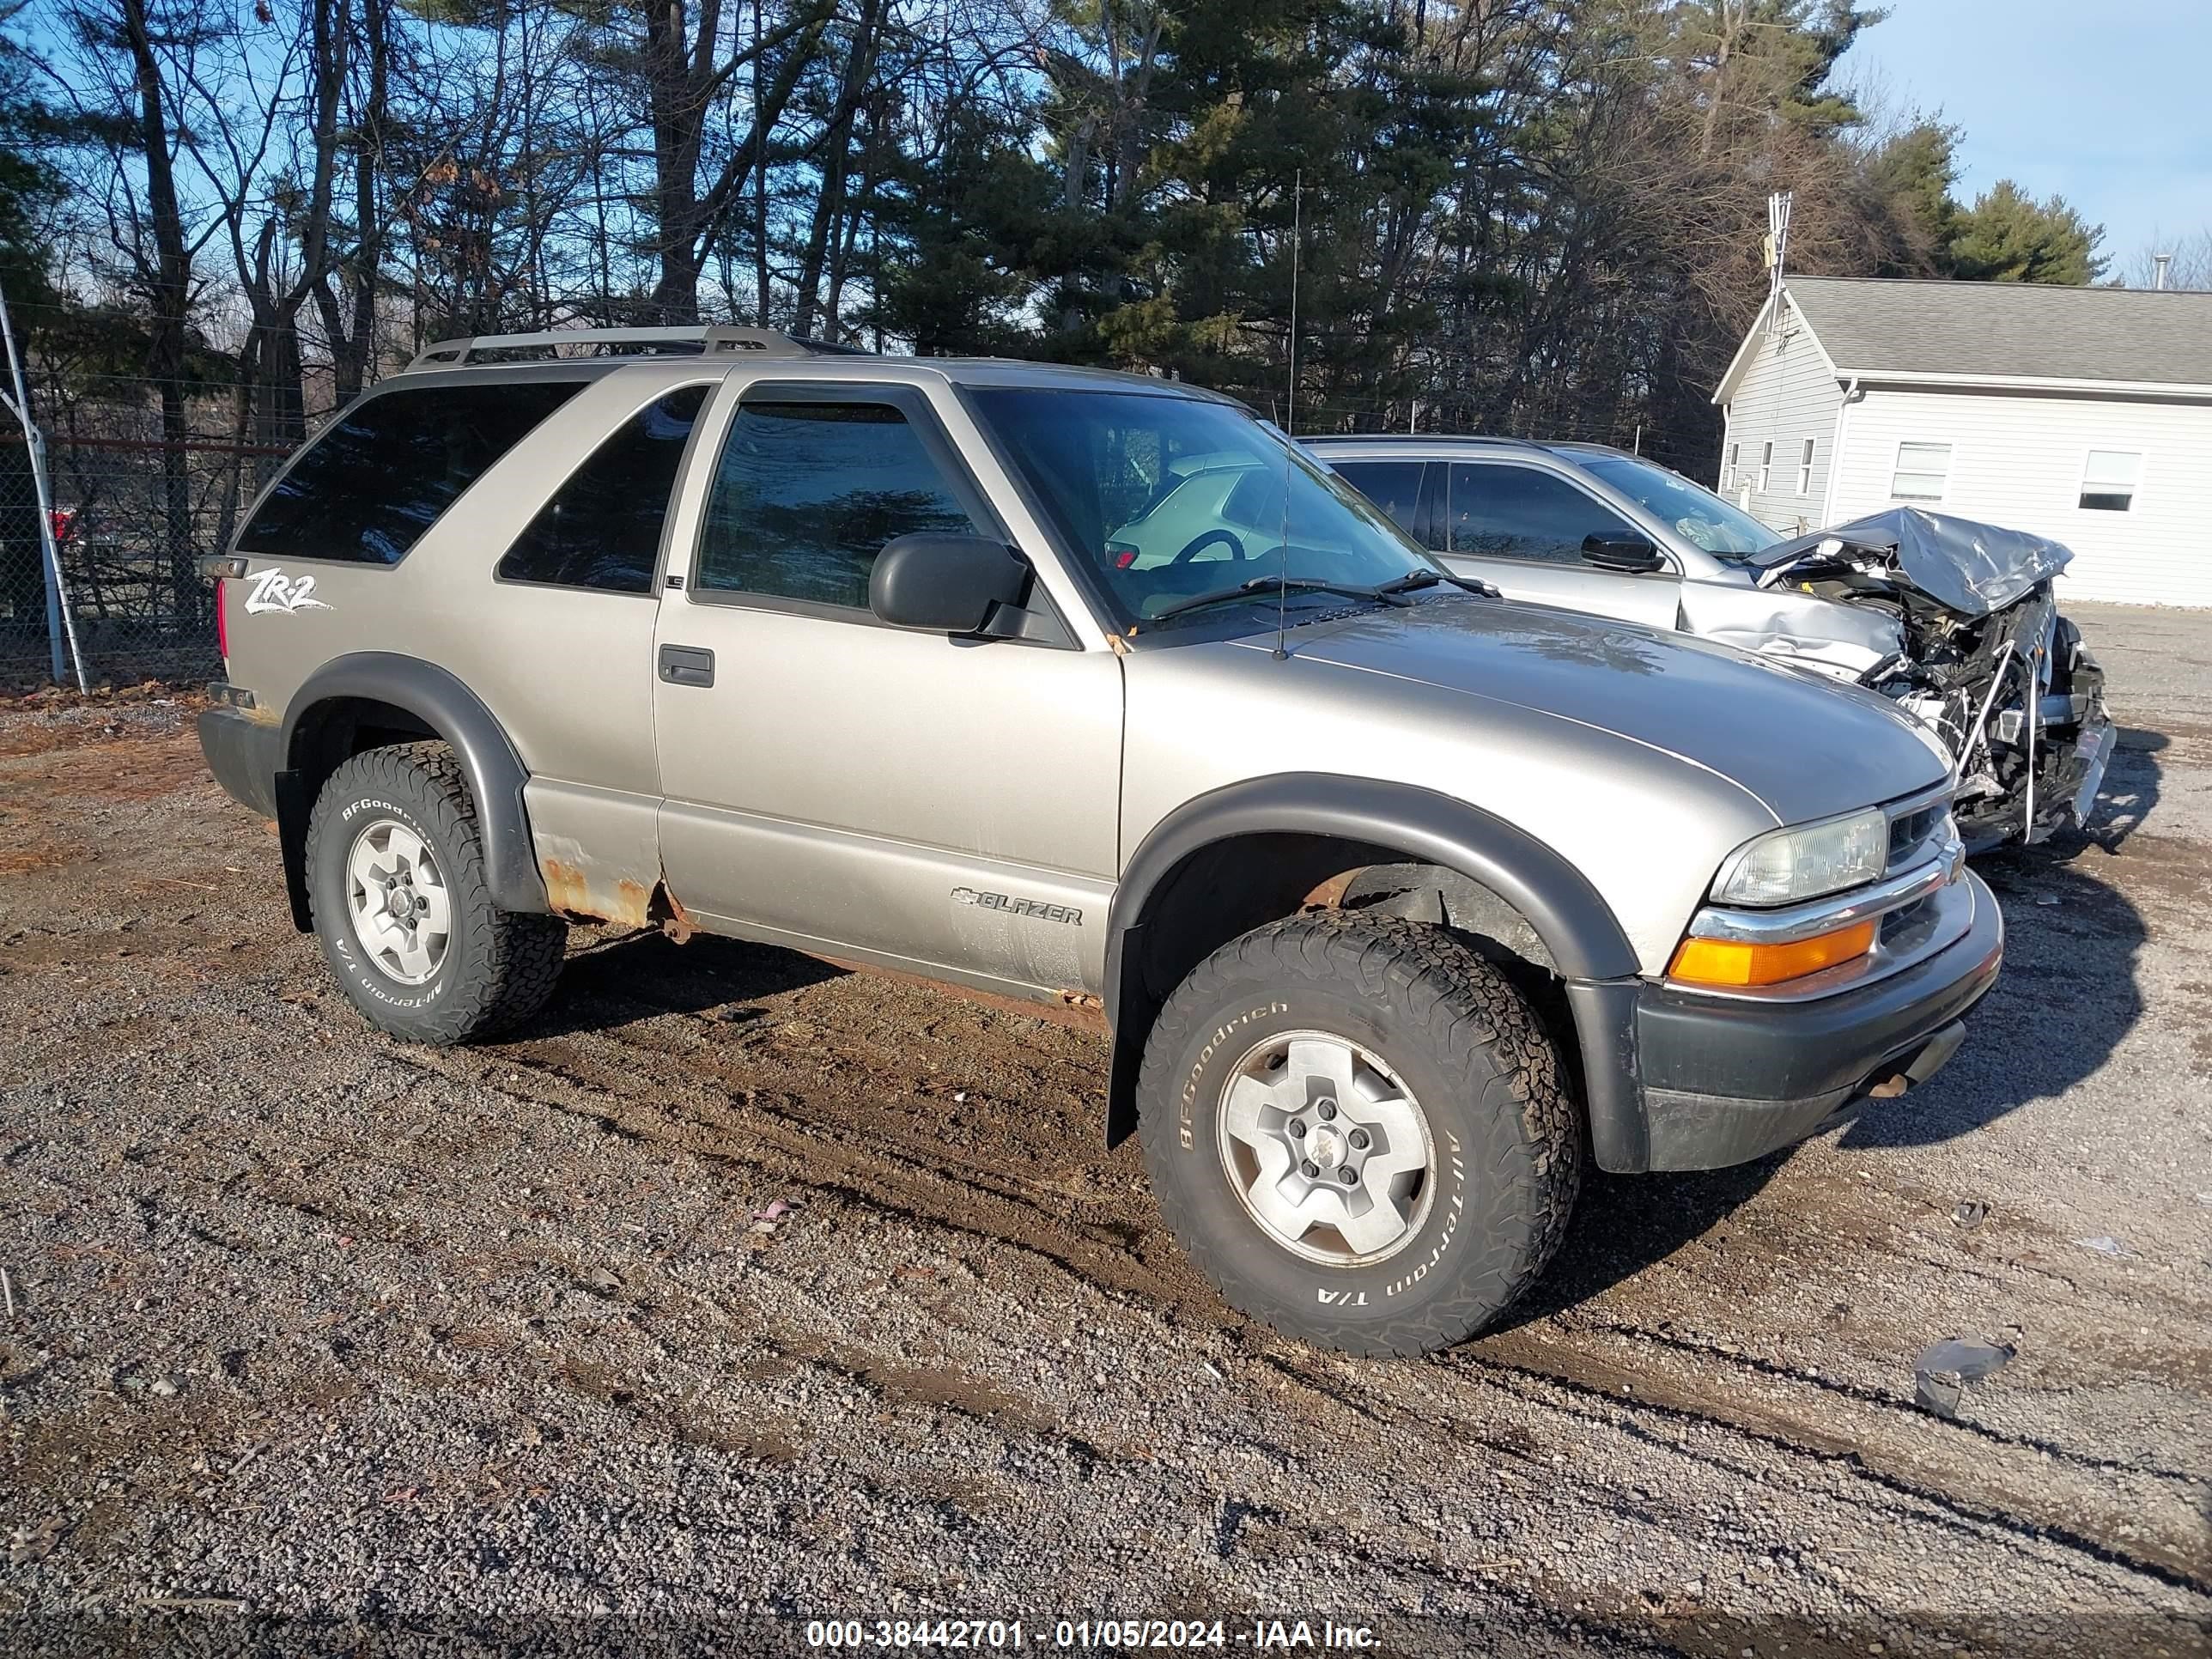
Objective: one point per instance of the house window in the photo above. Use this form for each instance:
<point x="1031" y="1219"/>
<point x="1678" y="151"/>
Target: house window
<point x="1922" y="470"/>
<point x="1805" y="469"/>
<point x="1728" y="472"/>
<point x="2109" y="478"/>
<point x="1765" y="464"/>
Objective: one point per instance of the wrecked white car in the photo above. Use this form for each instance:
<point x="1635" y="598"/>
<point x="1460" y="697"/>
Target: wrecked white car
<point x="1957" y="621"/>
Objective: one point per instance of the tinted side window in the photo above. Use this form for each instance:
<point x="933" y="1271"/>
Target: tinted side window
<point x="602" y="528"/>
<point x="1518" y="513"/>
<point x="371" y="485"/>
<point x="806" y="495"/>
<point x="1393" y="486"/>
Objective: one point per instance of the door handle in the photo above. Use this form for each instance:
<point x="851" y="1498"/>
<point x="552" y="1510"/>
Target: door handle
<point x="687" y="664"/>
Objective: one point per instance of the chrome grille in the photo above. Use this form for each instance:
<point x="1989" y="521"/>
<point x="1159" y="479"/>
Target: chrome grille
<point x="1910" y="832"/>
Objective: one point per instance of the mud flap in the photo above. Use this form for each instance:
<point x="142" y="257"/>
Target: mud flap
<point x="1130" y="1013"/>
<point x="295" y="803"/>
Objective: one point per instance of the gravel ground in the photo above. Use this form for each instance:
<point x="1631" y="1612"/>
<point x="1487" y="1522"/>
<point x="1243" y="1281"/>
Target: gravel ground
<point x="319" y="1343"/>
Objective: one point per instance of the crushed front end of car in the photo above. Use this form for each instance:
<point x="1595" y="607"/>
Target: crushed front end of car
<point x="1977" y="651"/>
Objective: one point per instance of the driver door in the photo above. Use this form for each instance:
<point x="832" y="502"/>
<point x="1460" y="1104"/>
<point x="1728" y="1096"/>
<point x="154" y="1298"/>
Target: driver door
<point x="1520" y="528"/>
<point x="944" y="803"/>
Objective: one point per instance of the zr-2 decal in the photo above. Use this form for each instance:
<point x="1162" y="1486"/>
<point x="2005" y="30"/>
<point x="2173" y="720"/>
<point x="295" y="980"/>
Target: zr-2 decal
<point x="1018" y="906"/>
<point x="272" y="592"/>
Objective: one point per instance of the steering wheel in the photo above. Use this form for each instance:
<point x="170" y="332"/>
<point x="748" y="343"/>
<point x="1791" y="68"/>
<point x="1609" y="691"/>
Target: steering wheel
<point x="1698" y="533"/>
<point x="1205" y="539"/>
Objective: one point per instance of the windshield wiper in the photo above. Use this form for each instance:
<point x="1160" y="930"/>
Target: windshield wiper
<point x="1411" y="582"/>
<point x="1414" y="580"/>
<point x="1388" y="593"/>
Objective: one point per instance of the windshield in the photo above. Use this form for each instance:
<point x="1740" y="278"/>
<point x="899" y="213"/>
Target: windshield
<point x="1171" y="497"/>
<point x="1698" y="516"/>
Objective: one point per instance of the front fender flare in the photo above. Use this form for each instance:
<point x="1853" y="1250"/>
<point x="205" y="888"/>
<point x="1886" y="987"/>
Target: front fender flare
<point x="1577" y="925"/>
<point x="495" y="771"/>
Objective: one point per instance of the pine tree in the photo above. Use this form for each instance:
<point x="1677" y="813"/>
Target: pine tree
<point x="2007" y="236"/>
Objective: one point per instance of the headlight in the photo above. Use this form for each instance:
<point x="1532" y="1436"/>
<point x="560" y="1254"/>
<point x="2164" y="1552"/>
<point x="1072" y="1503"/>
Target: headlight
<point x="1806" y="861"/>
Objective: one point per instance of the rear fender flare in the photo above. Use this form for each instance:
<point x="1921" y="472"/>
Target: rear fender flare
<point x="494" y="771"/>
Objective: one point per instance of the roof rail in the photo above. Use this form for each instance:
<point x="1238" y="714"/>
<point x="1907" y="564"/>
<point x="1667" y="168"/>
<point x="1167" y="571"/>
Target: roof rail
<point x="709" y="341"/>
<point x="1424" y="438"/>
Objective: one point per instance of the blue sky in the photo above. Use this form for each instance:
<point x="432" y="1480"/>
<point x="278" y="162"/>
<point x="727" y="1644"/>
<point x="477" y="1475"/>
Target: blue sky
<point x="2106" y="104"/>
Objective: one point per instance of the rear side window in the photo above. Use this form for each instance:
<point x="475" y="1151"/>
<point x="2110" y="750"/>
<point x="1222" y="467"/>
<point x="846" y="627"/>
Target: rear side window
<point x="602" y="528"/>
<point x="370" y="486"/>
<point x="1393" y="486"/>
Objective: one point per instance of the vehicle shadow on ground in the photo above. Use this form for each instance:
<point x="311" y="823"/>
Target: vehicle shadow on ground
<point x="1624" y="1224"/>
<point x="615" y="979"/>
<point x="2069" y="992"/>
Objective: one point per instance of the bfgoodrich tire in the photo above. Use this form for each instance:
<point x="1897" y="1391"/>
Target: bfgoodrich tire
<point x="395" y="879"/>
<point x="1358" y="1130"/>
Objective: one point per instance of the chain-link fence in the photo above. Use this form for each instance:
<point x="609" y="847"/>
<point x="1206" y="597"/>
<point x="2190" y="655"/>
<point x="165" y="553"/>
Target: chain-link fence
<point x="144" y="478"/>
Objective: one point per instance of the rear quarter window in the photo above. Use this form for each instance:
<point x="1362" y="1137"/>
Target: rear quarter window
<point x="367" y="490"/>
<point x="1393" y="486"/>
<point x="602" y="528"/>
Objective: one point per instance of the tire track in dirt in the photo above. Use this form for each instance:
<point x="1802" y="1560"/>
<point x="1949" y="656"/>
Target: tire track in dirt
<point x="1859" y="1395"/>
<point x="822" y="1158"/>
<point x="1527" y="1371"/>
<point x="1883" y="1503"/>
<point x="1810" y="1430"/>
<point x="833" y="1151"/>
<point x="2023" y="1501"/>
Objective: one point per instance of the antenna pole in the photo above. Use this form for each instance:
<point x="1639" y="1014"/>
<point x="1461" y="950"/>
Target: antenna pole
<point x="1290" y="424"/>
<point x="1778" y="237"/>
<point x="1298" y="222"/>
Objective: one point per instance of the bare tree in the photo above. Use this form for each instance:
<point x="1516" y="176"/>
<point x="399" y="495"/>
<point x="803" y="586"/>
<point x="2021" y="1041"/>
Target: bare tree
<point x="2188" y="262"/>
<point x="346" y="291"/>
<point x="273" y="179"/>
<point x="130" y="64"/>
<point x="687" y="66"/>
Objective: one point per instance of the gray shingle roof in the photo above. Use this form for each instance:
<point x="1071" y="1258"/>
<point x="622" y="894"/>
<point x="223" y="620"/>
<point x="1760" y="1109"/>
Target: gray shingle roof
<point x="2009" y="331"/>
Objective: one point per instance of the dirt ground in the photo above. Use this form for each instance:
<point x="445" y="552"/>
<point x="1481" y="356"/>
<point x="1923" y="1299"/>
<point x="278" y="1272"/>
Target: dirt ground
<point x="315" y="1342"/>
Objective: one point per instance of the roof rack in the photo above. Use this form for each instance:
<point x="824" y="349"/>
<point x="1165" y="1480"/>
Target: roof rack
<point x="709" y="341"/>
<point x="1468" y="438"/>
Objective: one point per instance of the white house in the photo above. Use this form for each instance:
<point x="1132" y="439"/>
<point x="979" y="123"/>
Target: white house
<point x="2082" y="414"/>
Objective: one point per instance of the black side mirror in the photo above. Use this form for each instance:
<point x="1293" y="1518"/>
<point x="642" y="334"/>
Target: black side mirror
<point x="1629" y="553"/>
<point x="946" y="584"/>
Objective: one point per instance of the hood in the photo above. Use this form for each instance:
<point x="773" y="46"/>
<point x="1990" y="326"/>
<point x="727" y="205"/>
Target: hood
<point x="1973" y="569"/>
<point x="1805" y="747"/>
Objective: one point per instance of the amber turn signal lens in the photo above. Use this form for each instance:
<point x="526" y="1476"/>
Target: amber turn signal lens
<point x="1736" y="961"/>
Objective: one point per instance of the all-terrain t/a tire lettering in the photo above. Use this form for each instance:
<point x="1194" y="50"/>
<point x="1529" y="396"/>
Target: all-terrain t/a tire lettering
<point x="490" y="968"/>
<point x="1430" y="1021"/>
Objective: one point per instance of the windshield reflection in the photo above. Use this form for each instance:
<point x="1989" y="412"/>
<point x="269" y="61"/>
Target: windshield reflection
<point x="1172" y="498"/>
<point x="1695" y="513"/>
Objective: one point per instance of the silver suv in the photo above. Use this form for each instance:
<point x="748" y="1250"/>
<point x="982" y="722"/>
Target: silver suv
<point x="1401" y="901"/>
<point x="1956" y="621"/>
